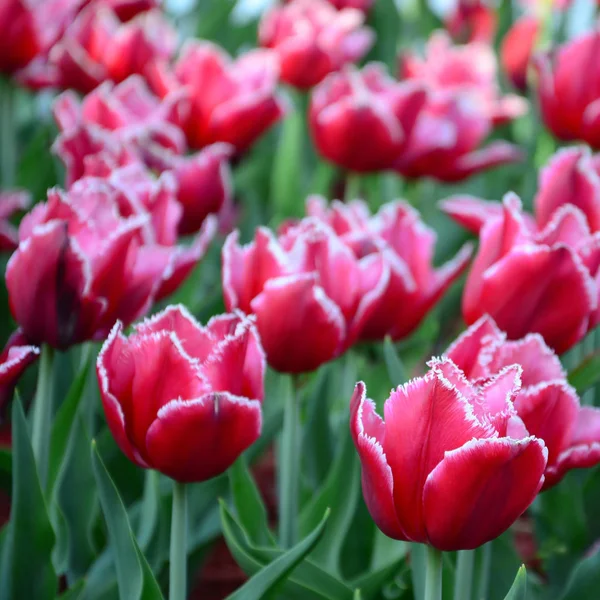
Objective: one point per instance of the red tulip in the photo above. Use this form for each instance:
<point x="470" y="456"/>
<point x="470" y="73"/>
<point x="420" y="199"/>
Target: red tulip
<point x="444" y="142"/>
<point x="124" y="122"/>
<point x="97" y="47"/>
<point x="128" y="9"/>
<point x="19" y="37"/>
<point x="10" y="203"/>
<point x="203" y="185"/>
<point x="232" y="102"/>
<point x="472" y="21"/>
<point x="363" y="5"/>
<point x="451" y="465"/>
<point x="572" y="176"/>
<point x="469" y="69"/>
<point x="569" y="109"/>
<point x="362" y="120"/>
<point x="536" y="281"/>
<point x="548" y="406"/>
<point x="17" y="355"/>
<point x="395" y="252"/>
<point x="517" y="48"/>
<point x="80" y="266"/>
<point x="312" y="39"/>
<point x="181" y="398"/>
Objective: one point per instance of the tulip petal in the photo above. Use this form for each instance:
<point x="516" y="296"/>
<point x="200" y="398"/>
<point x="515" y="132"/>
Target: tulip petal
<point x="557" y="307"/>
<point x="478" y="490"/>
<point x="299" y="326"/>
<point x="492" y="155"/>
<point x="471" y="212"/>
<point x="195" y="440"/>
<point x="424" y="419"/>
<point x="368" y="432"/>
<point x="466" y="349"/>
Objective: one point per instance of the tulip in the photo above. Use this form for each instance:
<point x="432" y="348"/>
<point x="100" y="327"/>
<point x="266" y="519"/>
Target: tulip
<point x="312" y="39"/>
<point x="472" y="21"/>
<point x="232" y="102"/>
<point x="572" y="176"/>
<point x="204" y="185"/>
<point x="363" y="5"/>
<point x="124" y="122"/>
<point x="444" y="142"/>
<point x="571" y="111"/>
<point x="17" y="355"/>
<point x="536" y="281"/>
<point x="19" y="36"/>
<point x="10" y="203"/>
<point x="397" y="245"/>
<point x="450" y="465"/>
<point x="128" y="9"/>
<point x="517" y="48"/>
<point x="80" y="266"/>
<point x="469" y="69"/>
<point x="548" y="406"/>
<point x="362" y="120"/>
<point x="194" y="404"/>
<point x="97" y="47"/>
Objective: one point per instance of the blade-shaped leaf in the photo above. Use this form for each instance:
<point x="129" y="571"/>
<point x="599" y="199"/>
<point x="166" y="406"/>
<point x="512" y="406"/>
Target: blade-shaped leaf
<point x="586" y="374"/>
<point x="518" y="591"/>
<point x="277" y="571"/>
<point x="26" y="568"/>
<point x="584" y="581"/>
<point x="307" y="580"/>
<point x="249" y="505"/>
<point x="134" y="576"/>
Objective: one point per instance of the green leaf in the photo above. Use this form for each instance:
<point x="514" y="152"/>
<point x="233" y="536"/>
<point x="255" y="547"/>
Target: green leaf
<point x="76" y="497"/>
<point x="287" y="197"/>
<point x="518" y="591"/>
<point x="307" y="581"/>
<point x="385" y="20"/>
<point x="26" y="569"/>
<point x="148" y="515"/>
<point x="586" y="374"/>
<point x="74" y="592"/>
<point x="395" y="368"/>
<point x="134" y="576"/>
<point x="248" y="503"/>
<point x="341" y="491"/>
<point x="584" y="581"/>
<point x="277" y="571"/>
<point x="62" y="426"/>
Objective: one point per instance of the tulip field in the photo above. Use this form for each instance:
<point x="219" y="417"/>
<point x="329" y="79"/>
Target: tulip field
<point x="301" y="299"/>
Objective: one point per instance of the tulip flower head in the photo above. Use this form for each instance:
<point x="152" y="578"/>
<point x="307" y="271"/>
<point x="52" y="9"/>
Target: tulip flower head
<point x="182" y="398"/>
<point x="362" y="120"/>
<point x="19" y="37"/>
<point x="313" y="39"/>
<point x="81" y="264"/>
<point x="98" y="47"/>
<point x="229" y="101"/>
<point x="548" y="406"/>
<point x="451" y="464"/>
<point x="569" y="110"/>
<point x="517" y="49"/>
<point x="472" y="21"/>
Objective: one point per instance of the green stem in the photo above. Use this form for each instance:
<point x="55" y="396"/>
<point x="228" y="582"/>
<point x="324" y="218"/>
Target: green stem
<point x="42" y="412"/>
<point x="464" y="575"/>
<point x="433" y="575"/>
<point x="352" y="190"/>
<point x="178" y="553"/>
<point x="484" y="578"/>
<point x="8" y="150"/>
<point x="289" y="469"/>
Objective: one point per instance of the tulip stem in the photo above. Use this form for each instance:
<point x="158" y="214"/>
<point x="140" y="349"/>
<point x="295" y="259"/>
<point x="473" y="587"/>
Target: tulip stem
<point x="352" y="190"/>
<point x="178" y="553"/>
<point x="484" y="578"/>
<point x="8" y="150"/>
<point x="289" y="468"/>
<point x="42" y="412"/>
<point x="463" y="582"/>
<point x="433" y="575"/>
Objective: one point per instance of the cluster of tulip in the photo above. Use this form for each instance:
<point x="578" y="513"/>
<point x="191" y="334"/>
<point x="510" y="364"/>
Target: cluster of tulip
<point x="154" y="139"/>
